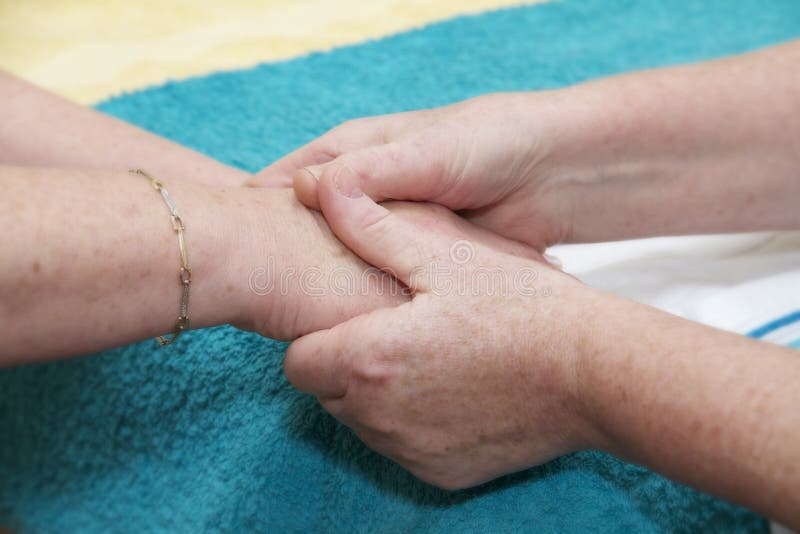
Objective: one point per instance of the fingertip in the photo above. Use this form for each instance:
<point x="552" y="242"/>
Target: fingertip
<point x="305" y="188"/>
<point x="333" y="203"/>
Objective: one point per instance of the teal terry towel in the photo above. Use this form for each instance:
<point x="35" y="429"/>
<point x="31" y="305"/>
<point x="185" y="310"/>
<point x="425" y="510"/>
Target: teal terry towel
<point x="207" y="435"/>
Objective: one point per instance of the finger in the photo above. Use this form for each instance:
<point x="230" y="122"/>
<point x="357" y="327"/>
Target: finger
<point x="461" y="230"/>
<point x="496" y="242"/>
<point x="392" y="243"/>
<point x="467" y="230"/>
<point x="279" y="174"/>
<point x="305" y="188"/>
<point x="406" y="170"/>
<point x="320" y="363"/>
<point x="349" y="136"/>
<point x="317" y="364"/>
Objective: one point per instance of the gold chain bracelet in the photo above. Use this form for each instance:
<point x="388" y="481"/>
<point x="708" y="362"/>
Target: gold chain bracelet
<point x="185" y="273"/>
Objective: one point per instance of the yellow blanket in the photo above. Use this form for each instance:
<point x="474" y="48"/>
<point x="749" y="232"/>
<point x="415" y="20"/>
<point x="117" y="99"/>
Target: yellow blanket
<point x="88" y="50"/>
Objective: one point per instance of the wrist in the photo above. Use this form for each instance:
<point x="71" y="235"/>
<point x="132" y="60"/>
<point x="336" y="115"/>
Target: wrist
<point x="571" y="158"/>
<point x="211" y="217"/>
<point x="606" y="151"/>
<point x="558" y="362"/>
<point x="582" y="310"/>
<point x="613" y="367"/>
<point x="246" y="249"/>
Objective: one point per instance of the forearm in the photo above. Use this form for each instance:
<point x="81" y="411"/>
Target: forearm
<point x="705" y="148"/>
<point x="44" y="130"/>
<point x="712" y="409"/>
<point x="91" y="261"/>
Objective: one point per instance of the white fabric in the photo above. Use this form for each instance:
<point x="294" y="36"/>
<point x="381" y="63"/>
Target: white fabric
<point x="737" y="282"/>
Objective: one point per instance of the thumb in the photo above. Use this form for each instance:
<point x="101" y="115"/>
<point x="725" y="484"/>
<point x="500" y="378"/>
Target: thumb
<point x="316" y="364"/>
<point x="390" y="242"/>
<point x="394" y="171"/>
<point x="321" y="363"/>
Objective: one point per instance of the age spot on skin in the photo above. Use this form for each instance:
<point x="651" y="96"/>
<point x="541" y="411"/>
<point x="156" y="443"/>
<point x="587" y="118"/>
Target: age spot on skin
<point x="36" y="267"/>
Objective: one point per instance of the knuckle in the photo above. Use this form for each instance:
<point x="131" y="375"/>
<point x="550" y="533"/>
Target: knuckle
<point x="368" y="368"/>
<point x="375" y="365"/>
<point x="341" y="138"/>
<point x="376" y="224"/>
<point x="348" y="135"/>
<point x="393" y="152"/>
<point x="376" y="160"/>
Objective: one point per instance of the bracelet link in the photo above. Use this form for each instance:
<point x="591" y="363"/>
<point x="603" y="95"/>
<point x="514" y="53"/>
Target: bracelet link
<point x="181" y="324"/>
<point x="177" y="223"/>
<point x="185" y="275"/>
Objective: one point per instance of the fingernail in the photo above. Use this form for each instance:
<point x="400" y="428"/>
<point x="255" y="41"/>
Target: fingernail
<point x="553" y="260"/>
<point x="314" y="171"/>
<point x="346" y="184"/>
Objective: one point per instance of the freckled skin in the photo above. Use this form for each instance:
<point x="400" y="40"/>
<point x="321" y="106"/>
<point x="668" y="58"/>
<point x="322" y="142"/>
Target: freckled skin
<point x="415" y="375"/>
<point x="462" y="388"/>
<point x="79" y="245"/>
<point x="459" y="390"/>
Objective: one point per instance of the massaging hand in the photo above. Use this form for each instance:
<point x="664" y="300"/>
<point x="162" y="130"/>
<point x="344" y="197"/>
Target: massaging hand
<point x="469" y="380"/>
<point x="689" y="149"/>
<point x="487" y="156"/>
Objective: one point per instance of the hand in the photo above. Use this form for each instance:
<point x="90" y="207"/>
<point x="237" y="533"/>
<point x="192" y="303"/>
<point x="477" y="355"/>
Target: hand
<point x="475" y="377"/>
<point x="293" y="276"/>
<point x="485" y="156"/>
<point x="693" y="149"/>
